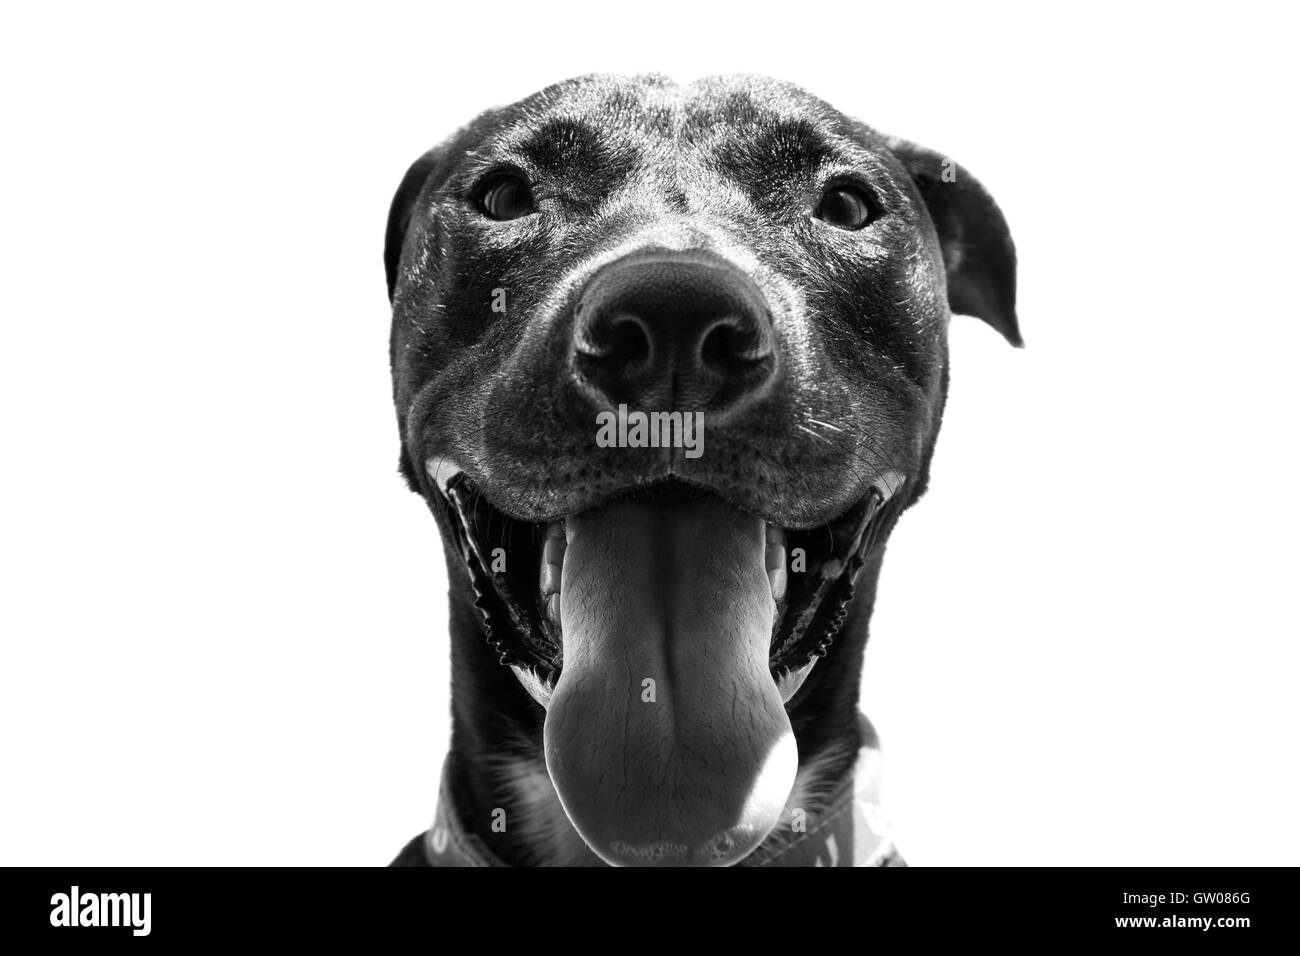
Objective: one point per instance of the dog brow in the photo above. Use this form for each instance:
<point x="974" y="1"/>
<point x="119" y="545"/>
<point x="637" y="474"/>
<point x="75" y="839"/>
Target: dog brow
<point x="563" y="145"/>
<point x="790" y="146"/>
<point x="797" y="141"/>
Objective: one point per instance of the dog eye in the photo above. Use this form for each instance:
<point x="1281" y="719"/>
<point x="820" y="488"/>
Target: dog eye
<point x="847" y="207"/>
<point x="506" y="197"/>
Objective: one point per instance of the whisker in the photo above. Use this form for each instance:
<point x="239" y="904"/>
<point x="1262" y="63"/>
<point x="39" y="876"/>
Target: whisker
<point x="817" y="435"/>
<point x="834" y="428"/>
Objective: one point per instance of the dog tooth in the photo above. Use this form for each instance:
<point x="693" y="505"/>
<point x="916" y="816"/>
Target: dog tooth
<point x="442" y="470"/>
<point x="550" y="580"/>
<point x="788" y="685"/>
<point x="775" y="561"/>
<point x="553" y="551"/>
<point x="537" y="688"/>
<point x="777" y="577"/>
<point x="552" y="559"/>
<point x="553" y="608"/>
<point x="775" y="543"/>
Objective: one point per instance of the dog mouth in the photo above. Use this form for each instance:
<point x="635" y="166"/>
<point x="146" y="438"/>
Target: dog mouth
<point x="665" y="632"/>
<point x="517" y="569"/>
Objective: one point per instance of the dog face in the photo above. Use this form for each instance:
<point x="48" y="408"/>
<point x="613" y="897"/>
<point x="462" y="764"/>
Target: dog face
<point x="668" y="363"/>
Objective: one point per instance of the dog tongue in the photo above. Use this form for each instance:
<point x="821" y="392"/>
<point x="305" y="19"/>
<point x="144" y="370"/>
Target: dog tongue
<point x="666" y="737"/>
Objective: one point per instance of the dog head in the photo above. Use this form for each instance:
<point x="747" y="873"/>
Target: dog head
<point x="668" y="363"/>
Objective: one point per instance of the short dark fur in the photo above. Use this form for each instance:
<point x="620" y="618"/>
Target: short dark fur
<point x="741" y="158"/>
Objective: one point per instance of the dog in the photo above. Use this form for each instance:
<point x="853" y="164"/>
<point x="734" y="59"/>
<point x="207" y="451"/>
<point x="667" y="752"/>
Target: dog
<point x="657" y="645"/>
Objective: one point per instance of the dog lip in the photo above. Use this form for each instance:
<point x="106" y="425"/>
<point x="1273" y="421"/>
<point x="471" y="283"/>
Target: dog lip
<point x="442" y="470"/>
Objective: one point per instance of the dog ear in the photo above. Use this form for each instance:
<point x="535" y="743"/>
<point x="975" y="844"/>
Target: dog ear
<point x="399" y="223"/>
<point x="436" y="165"/>
<point x="438" y="162"/>
<point x="399" y="213"/>
<point x="978" y="253"/>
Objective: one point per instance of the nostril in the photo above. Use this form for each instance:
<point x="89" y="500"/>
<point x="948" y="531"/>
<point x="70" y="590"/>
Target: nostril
<point x="718" y="347"/>
<point x="628" y="343"/>
<point x="620" y="340"/>
<point x="731" y="343"/>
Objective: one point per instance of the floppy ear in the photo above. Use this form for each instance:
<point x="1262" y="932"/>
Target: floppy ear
<point x="399" y="213"/>
<point x="438" y="164"/>
<point x="978" y="253"/>
<point x="429" y="171"/>
<point x="399" y="223"/>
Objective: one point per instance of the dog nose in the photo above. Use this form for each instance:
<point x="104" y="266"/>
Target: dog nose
<point x="672" y="332"/>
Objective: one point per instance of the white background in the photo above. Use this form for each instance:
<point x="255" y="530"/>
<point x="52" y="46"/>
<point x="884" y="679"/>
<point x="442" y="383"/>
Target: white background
<point x="222" y="614"/>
